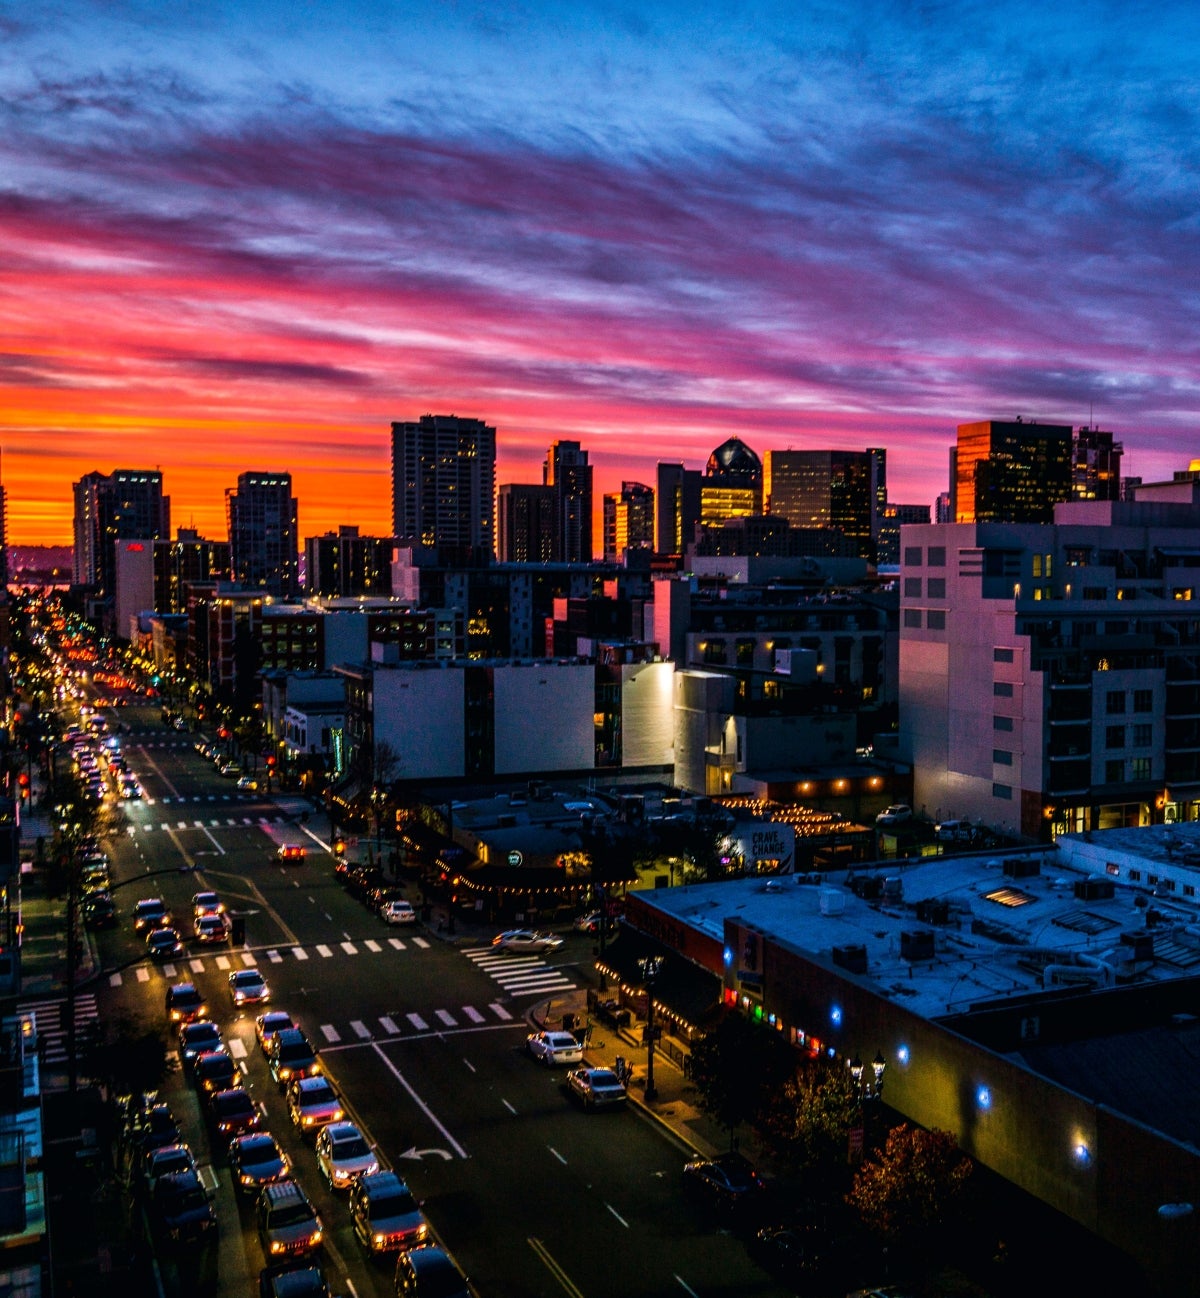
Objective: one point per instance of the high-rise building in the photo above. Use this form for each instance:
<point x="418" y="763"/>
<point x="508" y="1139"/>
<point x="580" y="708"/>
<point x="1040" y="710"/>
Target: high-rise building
<point x="842" y="489"/>
<point x="344" y="564"/>
<point x="1011" y="472"/>
<point x="3" y="541"/>
<point x="732" y="486"/>
<point x="263" y="533"/>
<point x="677" y="508"/>
<point x="118" y="506"/>
<point x="628" y="520"/>
<point x="567" y="470"/>
<point x="1096" y="465"/>
<point x="526" y="515"/>
<point x="443" y="486"/>
<point x="893" y="519"/>
<point x="177" y="564"/>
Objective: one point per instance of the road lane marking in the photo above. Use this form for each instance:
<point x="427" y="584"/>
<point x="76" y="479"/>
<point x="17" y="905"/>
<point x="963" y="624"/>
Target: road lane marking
<point x="615" y="1213"/>
<point x="557" y="1155"/>
<point x="420" y="941"/>
<point x="472" y="1013"/>
<point x="418" y="1022"/>
<point x="469" y="1064"/>
<point x="395" y="944"/>
<point x="389" y="1026"/>
<point x="143" y="975"/>
<point x="168" y="971"/>
<point x="420" y="1103"/>
<point x="499" y="1011"/>
<point x="508" y="1106"/>
<point x="553" y="1267"/>
<point x="197" y="966"/>
<point x="349" y="948"/>
<point x="274" y="956"/>
<point x="447" y="1018"/>
<point x="331" y="1033"/>
<point x="114" y="980"/>
<point x="361" y="1029"/>
<point x="300" y="953"/>
<point x="222" y="962"/>
<point x="248" y="958"/>
<point x="324" y="952"/>
<point x="237" y="1048"/>
<point x="687" y="1288"/>
<point x="372" y="945"/>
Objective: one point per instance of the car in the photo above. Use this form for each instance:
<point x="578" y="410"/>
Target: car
<point x="287" y="1223"/>
<point x="233" y="1112"/>
<point x="291" y="853"/>
<point x="207" y="903"/>
<point x="590" y="923"/>
<point x="896" y="814"/>
<point x="99" y="910"/>
<point x="150" y="913"/>
<point x="343" y="1155"/>
<point x="803" y="1256"/>
<point x="554" y="1048"/>
<point x="94" y="877"/>
<point x="395" y="910"/>
<point x="164" y="944"/>
<point x="312" y="1103"/>
<point x="184" y="1003"/>
<point x="157" y="1129"/>
<point x="196" y="1038"/>
<point x="526" y="939"/>
<point x="384" y="1213"/>
<point x="256" y="1160"/>
<point x="129" y="789"/>
<point x="596" y="1088"/>
<point x="211" y="930"/>
<point x="290" y="1055"/>
<point x="301" y="1277"/>
<point x="363" y="880"/>
<point x="726" y="1185"/>
<point x="247" y="782"/>
<point x="428" y="1271"/>
<point x="180" y="1209"/>
<point x="214" y="1071"/>
<point x="266" y="1025"/>
<point x="164" y="1160"/>
<point x="248" y="987"/>
<point x="228" y="769"/>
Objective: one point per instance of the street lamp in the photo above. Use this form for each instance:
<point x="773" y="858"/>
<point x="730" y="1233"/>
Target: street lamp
<point x="868" y="1089"/>
<point x="650" y="965"/>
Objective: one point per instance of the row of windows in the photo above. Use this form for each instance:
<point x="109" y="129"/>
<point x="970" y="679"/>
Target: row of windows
<point x="1114" y="702"/>
<point x="933" y="619"/>
<point x="1167" y="885"/>
<point x="1143" y="735"/>
<point x="1139" y="769"/>
<point x="935" y="586"/>
<point x="936" y="556"/>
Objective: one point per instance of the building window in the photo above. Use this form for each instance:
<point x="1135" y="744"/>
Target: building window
<point x="1095" y="592"/>
<point x="937" y="556"/>
<point x="714" y="652"/>
<point x="1143" y="735"/>
<point x="1135" y="876"/>
<point x="1167" y="884"/>
<point x="912" y="556"/>
<point x="1114" y="703"/>
<point x="1002" y="655"/>
<point x="1139" y="768"/>
<point x="1001" y="756"/>
<point x="1114" y="737"/>
<point x="745" y="653"/>
<point x="1111" y="867"/>
<point x="1037" y="565"/>
<point x="1143" y="700"/>
<point x="937" y="588"/>
<point x="912" y="617"/>
<point x="912" y="588"/>
<point x="1189" y="889"/>
<point x="1002" y="689"/>
<point x="1002" y="791"/>
<point x="935" y="619"/>
<point x="1114" y="771"/>
<point x="1182" y="592"/>
<point x="1002" y="723"/>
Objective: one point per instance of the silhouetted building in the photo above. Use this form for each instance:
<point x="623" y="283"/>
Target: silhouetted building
<point x="732" y="486"/>
<point x="1011" y="472"/>
<point x="567" y="470"/>
<point x="1096" y="465"/>
<point x="628" y="520"/>
<point x="764" y="535"/>
<point x="3" y="539"/>
<point x="893" y="519"/>
<point x="842" y="489"/>
<point x="117" y="506"/>
<point x="264" y="533"/>
<point x="443" y="486"/>
<point x="677" y="508"/>
<point x="526" y="516"/>
<point x="189" y="558"/>
<point x="343" y="564"/>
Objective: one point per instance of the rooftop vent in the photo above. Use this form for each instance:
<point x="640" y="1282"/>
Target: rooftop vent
<point x="917" y="945"/>
<point x="851" y="958"/>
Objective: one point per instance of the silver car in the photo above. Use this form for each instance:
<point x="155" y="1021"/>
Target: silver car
<point x="343" y="1155"/>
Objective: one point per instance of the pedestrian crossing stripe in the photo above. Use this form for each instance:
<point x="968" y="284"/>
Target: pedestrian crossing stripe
<point x="51" y="1031"/>
<point x="519" y="975"/>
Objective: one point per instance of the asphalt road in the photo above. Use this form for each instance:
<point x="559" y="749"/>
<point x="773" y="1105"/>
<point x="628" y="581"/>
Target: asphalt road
<point x="533" y="1197"/>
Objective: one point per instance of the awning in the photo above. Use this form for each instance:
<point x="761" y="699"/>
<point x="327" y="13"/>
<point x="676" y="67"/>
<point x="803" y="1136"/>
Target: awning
<point x="686" y="990"/>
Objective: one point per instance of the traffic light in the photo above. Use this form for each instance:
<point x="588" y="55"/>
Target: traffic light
<point x="750" y="951"/>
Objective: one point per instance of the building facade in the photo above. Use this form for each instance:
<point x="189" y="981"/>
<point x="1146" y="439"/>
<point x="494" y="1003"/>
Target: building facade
<point x="264" y="533"/>
<point x="343" y="564"/>
<point x="628" y="520"/>
<point x="837" y="489"/>
<point x="126" y="504"/>
<point x="567" y="470"/>
<point x="526" y="521"/>
<point x="1011" y="471"/>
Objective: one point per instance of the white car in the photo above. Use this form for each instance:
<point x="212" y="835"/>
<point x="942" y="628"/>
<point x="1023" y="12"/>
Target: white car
<point x="343" y="1155"/>
<point x="896" y="814"/>
<point x="526" y="939"/>
<point x="397" y="911"/>
<point x="552" y="1048"/>
<point x="247" y="782"/>
<point x="596" y="1088"/>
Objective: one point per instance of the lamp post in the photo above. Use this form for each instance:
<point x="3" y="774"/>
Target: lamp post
<point x="868" y="1088"/>
<point x="650" y="965"/>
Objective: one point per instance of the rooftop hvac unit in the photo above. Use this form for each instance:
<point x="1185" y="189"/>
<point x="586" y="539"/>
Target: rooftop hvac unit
<point x="917" y="945"/>
<point x="933" y="911"/>
<point x="1142" y="945"/>
<point x="1094" y="889"/>
<point x="833" y="901"/>
<point x="1022" y="867"/>
<point x="851" y="958"/>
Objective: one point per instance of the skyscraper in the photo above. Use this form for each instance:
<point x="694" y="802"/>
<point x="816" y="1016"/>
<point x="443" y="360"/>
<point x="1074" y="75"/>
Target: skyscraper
<point x="443" y="484"/>
<point x="343" y="564"/>
<point x="628" y="520"/>
<point x="3" y="541"/>
<point x="263" y="533"/>
<point x="1011" y="472"/>
<point x="118" y="506"/>
<point x="1096" y="465"/>
<point x="842" y="489"/>
<point x="567" y="470"/>
<point x="677" y="507"/>
<point x="526" y="514"/>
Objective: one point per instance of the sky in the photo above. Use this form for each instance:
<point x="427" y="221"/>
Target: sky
<point x="249" y="235"/>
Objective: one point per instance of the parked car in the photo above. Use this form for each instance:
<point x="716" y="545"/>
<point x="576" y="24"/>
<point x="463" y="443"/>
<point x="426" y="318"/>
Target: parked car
<point x="157" y="1129"/>
<point x="596" y="1088"/>
<point x="287" y="1223"/>
<point x="99" y="910"/>
<point x="526" y="939"/>
<point x="184" y="1003"/>
<point x="428" y="1271"/>
<point x="395" y="910"/>
<point x="180" y="1210"/>
<point x="554" y="1048"/>
<point x="343" y="1155"/>
<point x="385" y="1215"/>
<point x="256" y="1160"/>
<point x="233" y="1112"/>
<point x="291" y="1055"/>
<point x="726" y="1185"/>
<point x="197" y="1037"/>
<point x="312" y="1103"/>
<point x="248" y="987"/>
<point x="164" y="1160"/>
<point x="896" y="814"/>
<point x="247" y="782"/>
<point x="266" y="1025"/>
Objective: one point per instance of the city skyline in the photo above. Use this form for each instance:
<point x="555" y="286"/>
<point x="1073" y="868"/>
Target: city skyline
<point x="254" y="238"/>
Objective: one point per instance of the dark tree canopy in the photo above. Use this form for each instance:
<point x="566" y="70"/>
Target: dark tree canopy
<point x="737" y="1067"/>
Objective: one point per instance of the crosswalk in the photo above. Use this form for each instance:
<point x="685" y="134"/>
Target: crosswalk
<point x="390" y="1027"/>
<point x="51" y="1028"/>
<point x="519" y="975"/>
<point x="213" y="822"/>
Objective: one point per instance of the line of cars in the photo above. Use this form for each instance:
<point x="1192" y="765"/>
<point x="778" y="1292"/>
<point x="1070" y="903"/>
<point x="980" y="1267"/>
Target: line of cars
<point x="154" y="921"/>
<point x="368" y="884"/>
<point x="385" y="1216"/>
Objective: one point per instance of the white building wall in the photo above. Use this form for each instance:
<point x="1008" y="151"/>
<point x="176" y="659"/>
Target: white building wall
<point x="544" y="717"/>
<point x="704" y="731"/>
<point x="647" y="714"/>
<point x="420" y="714"/>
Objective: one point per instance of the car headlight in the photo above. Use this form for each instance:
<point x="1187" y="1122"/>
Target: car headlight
<point x="308" y="1121"/>
<point x="247" y="1179"/>
<point x="276" y="1246"/>
<point x="380" y="1240"/>
<point x="338" y="1115"/>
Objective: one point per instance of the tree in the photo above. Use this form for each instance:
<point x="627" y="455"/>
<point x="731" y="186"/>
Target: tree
<point x="126" y="1054"/>
<point x="736" y="1067"/>
<point x="808" y="1118"/>
<point x="913" y="1191"/>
